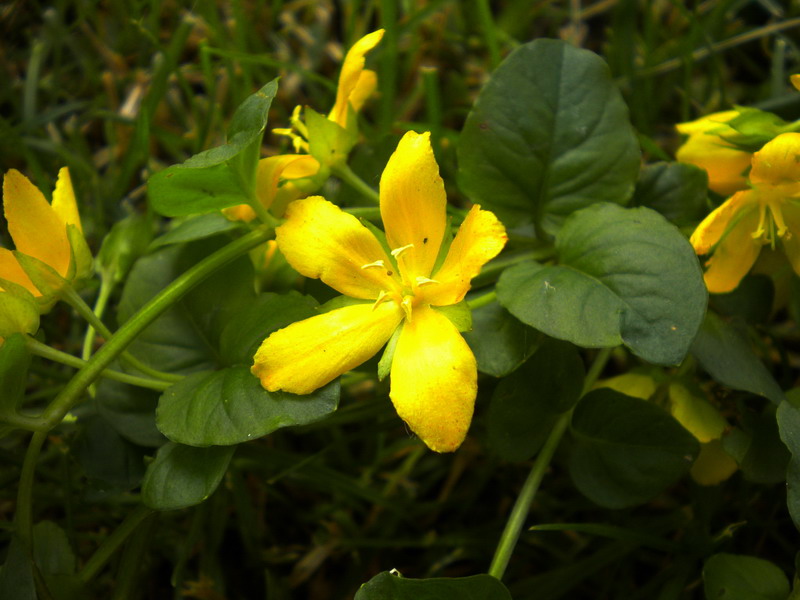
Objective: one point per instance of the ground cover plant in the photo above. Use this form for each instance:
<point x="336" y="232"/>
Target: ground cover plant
<point x="400" y="300"/>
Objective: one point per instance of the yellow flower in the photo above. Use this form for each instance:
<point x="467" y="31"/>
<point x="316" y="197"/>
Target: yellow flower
<point x="356" y="84"/>
<point x="279" y="180"/>
<point x="769" y="212"/>
<point x="433" y="371"/>
<point x="50" y="234"/>
<point x="706" y="148"/>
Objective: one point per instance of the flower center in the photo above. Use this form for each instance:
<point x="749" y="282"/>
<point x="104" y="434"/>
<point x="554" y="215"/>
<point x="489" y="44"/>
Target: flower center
<point x="771" y="224"/>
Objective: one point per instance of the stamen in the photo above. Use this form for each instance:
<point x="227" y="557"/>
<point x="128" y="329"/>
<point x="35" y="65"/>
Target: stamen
<point x="777" y="215"/>
<point x="406" y="306"/>
<point x="424" y="281"/>
<point x="377" y="263"/>
<point x="398" y="251"/>
<point x="382" y="297"/>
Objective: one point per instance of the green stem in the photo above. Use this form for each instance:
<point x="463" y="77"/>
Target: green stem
<point x="364" y="212"/>
<point x="148" y="313"/>
<point x="106" y="286"/>
<point x="112" y="543"/>
<point x="107" y="353"/>
<point x="482" y="300"/>
<point x="484" y="13"/>
<point x="346" y="174"/>
<point x="46" y="351"/>
<point x="73" y="299"/>
<point x="24" y="514"/>
<point x="519" y="513"/>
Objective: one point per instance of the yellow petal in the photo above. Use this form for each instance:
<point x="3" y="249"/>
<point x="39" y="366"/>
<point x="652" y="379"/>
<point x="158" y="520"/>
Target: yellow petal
<point x="413" y="204"/>
<point x="480" y="238"/>
<point x="734" y="255"/>
<point x="713" y="465"/>
<point x="349" y="78"/>
<point x="321" y="241"/>
<point x="713" y="122"/>
<point x="725" y="216"/>
<point x="795" y="79"/>
<point x="631" y="384"/>
<point x="64" y="203"/>
<point x="10" y="269"/>
<point x="778" y="162"/>
<point x="434" y="380"/>
<point x="367" y="82"/>
<point x="726" y="166"/>
<point x="284" y="166"/>
<point x="33" y="224"/>
<point x="697" y="415"/>
<point x="791" y="241"/>
<point x="308" y="354"/>
<point x="240" y="212"/>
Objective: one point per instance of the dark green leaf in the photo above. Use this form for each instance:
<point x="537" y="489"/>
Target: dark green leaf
<point x="788" y="416"/>
<point x="499" y="341"/>
<point x="626" y="276"/>
<point x="130" y="410"/>
<point x="725" y="354"/>
<point x="678" y="191"/>
<point x="626" y="450"/>
<point x="751" y="300"/>
<point x="52" y="551"/>
<point x="549" y="134"/>
<point x="230" y="406"/>
<point x="245" y="332"/>
<point x="386" y="586"/>
<point x="765" y="458"/>
<point x="177" y="191"/>
<point x="735" y="577"/>
<point x="186" y="337"/>
<point x="182" y="476"/>
<point x="196" y="228"/>
<point x="111" y="461"/>
<point x="16" y="576"/>
<point x="527" y="403"/>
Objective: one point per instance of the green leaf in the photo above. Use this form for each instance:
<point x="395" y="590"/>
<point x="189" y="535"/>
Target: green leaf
<point x="765" y="457"/>
<point x="678" y="191"/>
<point x="725" y="354"/>
<point x="16" y="575"/>
<point x="752" y="300"/>
<point x="548" y="135"/>
<point x="230" y="406"/>
<point x="329" y="143"/>
<point x="527" y="403"/>
<point x="627" y="450"/>
<point x="736" y="577"/>
<point x="177" y="191"/>
<point x="130" y="410"/>
<point x="195" y="228"/>
<point x="499" y="341"/>
<point x="386" y="586"/>
<point x="626" y="276"/>
<point x="112" y="462"/>
<point x="19" y="312"/>
<point x="182" y="476"/>
<point x="52" y="551"/>
<point x="248" y="328"/>
<point x="788" y="416"/>
<point x="186" y="338"/>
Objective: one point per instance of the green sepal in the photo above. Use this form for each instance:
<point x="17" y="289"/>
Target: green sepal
<point x="459" y="315"/>
<point x="19" y="311"/>
<point x="328" y="141"/>
<point x="385" y="363"/>
<point x="45" y="278"/>
<point x="81" y="264"/>
<point x="754" y="128"/>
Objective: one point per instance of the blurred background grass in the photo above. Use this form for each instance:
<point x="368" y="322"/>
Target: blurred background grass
<point x="117" y="90"/>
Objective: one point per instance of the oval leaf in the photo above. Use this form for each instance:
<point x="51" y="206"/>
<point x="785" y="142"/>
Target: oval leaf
<point x="549" y="134"/>
<point x="182" y="476"/>
<point x="626" y="450"/>
<point x="230" y="406"/>
<point x="386" y="586"/>
<point x="626" y="276"/>
<point x="734" y="577"/>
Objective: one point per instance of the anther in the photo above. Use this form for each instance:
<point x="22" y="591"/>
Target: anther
<point x="377" y="263"/>
<point x="398" y="251"/>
